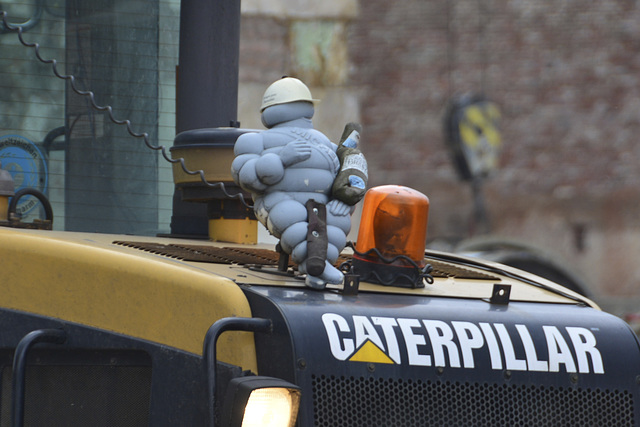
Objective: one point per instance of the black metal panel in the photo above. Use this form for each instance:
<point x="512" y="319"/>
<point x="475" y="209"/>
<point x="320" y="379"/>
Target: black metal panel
<point x="403" y="360"/>
<point x="170" y="381"/>
<point x="275" y="352"/>
<point x="87" y="390"/>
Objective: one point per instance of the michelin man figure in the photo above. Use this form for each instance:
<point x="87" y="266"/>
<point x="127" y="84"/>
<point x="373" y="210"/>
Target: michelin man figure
<point x="290" y="170"/>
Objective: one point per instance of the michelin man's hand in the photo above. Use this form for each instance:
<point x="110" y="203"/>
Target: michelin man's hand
<point x="295" y="152"/>
<point x="338" y="208"/>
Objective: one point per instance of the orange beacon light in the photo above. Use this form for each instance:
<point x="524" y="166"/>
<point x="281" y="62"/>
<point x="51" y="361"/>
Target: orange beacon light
<point x="392" y="236"/>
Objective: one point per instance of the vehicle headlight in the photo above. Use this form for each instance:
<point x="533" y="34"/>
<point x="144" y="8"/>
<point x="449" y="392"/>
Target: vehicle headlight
<point x="261" y="401"/>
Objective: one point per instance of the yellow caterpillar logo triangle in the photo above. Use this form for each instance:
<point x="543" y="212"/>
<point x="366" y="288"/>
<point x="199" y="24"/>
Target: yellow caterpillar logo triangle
<point x="369" y="352"/>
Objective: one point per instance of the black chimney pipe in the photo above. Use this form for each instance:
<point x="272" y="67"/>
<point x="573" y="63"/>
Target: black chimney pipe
<point x="207" y="86"/>
<point x="206" y="90"/>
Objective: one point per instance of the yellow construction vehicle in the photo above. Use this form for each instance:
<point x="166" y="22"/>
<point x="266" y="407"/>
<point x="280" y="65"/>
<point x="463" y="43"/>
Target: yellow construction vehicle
<point x="114" y="329"/>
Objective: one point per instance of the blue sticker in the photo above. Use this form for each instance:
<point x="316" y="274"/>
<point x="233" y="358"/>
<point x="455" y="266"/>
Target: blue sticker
<point x="350" y="142"/>
<point x="27" y="166"/>
<point x="356" y="181"/>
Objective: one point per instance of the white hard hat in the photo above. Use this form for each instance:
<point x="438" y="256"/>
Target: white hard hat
<point x="287" y="89"/>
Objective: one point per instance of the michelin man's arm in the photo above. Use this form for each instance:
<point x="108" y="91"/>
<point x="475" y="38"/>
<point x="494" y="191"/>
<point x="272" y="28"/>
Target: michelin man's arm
<point x="338" y="208"/>
<point x="247" y="149"/>
<point x="295" y="152"/>
<point x="270" y="166"/>
<point x="254" y="170"/>
<point x="243" y="171"/>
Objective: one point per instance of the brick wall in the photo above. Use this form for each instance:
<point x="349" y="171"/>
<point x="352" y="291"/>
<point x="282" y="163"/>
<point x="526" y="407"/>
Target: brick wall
<point x="566" y="77"/>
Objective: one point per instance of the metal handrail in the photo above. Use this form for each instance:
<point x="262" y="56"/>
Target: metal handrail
<point x="54" y="336"/>
<point x="209" y="351"/>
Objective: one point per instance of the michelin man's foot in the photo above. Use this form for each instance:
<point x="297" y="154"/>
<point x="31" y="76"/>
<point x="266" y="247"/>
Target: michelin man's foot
<point x="315" y="282"/>
<point x="331" y="274"/>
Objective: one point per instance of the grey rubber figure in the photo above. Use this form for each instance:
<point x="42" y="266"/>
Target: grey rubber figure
<point x="290" y="169"/>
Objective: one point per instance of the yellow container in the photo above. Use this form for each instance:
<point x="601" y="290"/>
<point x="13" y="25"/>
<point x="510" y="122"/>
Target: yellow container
<point x="4" y="208"/>
<point x="243" y="231"/>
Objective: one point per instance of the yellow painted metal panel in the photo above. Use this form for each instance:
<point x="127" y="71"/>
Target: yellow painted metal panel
<point x="214" y="160"/>
<point x="97" y="284"/>
<point x="4" y="208"/>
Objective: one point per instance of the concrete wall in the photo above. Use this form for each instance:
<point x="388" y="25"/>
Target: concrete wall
<point x="304" y="39"/>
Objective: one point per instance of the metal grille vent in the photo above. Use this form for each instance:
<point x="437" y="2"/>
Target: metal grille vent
<point x="342" y="401"/>
<point x="443" y="269"/>
<point x="201" y="253"/>
<point x="235" y="255"/>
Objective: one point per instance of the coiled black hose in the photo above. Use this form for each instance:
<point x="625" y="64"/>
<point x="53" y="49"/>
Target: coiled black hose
<point x="5" y="25"/>
<point x="37" y="194"/>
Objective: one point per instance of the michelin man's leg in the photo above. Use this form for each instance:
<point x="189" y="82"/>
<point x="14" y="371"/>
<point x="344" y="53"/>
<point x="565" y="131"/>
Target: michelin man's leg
<point x="293" y="238"/>
<point x="296" y="233"/>
<point x="294" y="241"/>
<point x="343" y="222"/>
<point x="288" y="220"/>
<point x="283" y="215"/>
<point x="330" y="274"/>
<point x="337" y="242"/>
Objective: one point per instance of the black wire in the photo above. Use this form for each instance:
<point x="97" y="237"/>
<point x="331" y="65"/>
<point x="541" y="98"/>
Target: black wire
<point x="90" y="95"/>
<point x="423" y="272"/>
